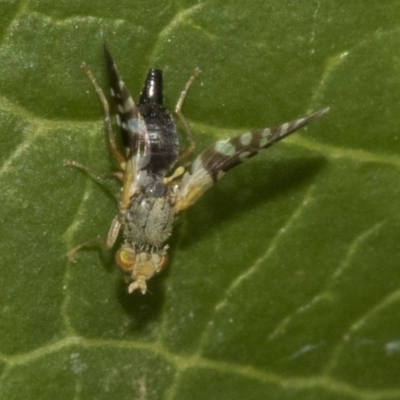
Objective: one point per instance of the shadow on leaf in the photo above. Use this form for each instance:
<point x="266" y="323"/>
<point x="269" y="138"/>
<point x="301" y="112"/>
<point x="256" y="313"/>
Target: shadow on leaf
<point x="144" y="309"/>
<point x="245" y="189"/>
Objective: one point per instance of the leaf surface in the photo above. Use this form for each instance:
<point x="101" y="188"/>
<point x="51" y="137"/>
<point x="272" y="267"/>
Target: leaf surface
<point x="284" y="278"/>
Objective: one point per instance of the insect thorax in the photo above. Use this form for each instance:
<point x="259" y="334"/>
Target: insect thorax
<point x="148" y="220"/>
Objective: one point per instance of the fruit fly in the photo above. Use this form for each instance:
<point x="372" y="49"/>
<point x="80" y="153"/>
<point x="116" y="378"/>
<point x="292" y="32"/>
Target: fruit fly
<point x="153" y="188"/>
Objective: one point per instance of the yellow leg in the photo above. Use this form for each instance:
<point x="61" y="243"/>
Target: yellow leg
<point x="178" y="110"/>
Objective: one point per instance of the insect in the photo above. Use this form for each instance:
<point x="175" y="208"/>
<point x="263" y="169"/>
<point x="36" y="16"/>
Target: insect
<point x="153" y="189"/>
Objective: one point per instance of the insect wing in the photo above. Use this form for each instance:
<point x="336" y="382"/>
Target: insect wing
<point x="215" y="161"/>
<point x="131" y="124"/>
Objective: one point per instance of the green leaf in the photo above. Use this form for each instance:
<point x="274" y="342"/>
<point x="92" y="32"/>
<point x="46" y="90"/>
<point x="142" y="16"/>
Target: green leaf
<point x="284" y="278"/>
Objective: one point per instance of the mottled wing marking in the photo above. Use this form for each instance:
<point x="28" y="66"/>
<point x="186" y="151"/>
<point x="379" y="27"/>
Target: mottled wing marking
<point x="131" y="124"/>
<point x="215" y="161"/>
<point x="226" y="154"/>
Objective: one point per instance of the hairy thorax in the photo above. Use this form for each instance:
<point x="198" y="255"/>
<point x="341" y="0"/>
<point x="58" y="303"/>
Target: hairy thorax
<point x="150" y="217"/>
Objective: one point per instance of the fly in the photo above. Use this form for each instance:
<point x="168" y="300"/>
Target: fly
<point x="154" y="184"/>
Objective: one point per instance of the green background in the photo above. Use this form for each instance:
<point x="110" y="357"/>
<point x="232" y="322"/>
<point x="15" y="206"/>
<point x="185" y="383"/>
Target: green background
<point x="284" y="278"/>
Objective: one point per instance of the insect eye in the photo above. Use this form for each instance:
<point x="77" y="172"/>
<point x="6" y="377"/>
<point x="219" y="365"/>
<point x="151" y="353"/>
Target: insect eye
<point x="126" y="259"/>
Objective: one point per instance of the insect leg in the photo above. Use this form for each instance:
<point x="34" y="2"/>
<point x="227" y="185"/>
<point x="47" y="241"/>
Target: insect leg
<point x="113" y="232"/>
<point x="92" y="174"/>
<point x="72" y="252"/>
<point x="115" y="226"/>
<point x="178" y="111"/>
<point x="111" y="238"/>
<point x="110" y="133"/>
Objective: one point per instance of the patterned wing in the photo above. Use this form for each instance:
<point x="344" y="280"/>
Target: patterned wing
<point x="212" y="164"/>
<point x="131" y="123"/>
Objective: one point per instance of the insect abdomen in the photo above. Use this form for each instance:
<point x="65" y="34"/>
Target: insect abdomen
<point x="163" y="138"/>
